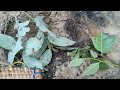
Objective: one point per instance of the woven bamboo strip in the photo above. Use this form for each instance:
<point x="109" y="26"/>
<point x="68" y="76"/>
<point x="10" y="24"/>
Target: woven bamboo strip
<point x="18" y="73"/>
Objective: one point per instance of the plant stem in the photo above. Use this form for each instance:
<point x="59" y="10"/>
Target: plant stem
<point x="95" y="59"/>
<point x="105" y="61"/>
<point x="108" y="60"/>
<point x="28" y="15"/>
<point x="18" y="62"/>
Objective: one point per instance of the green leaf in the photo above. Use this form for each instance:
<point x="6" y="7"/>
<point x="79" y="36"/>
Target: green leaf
<point x="18" y="25"/>
<point x="41" y="24"/>
<point x="60" y="41"/>
<point x="23" y="24"/>
<point x="103" y="42"/>
<point x="76" y="62"/>
<point x="31" y="62"/>
<point x="42" y="49"/>
<point x="23" y="31"/>
<point x="92" y="69"/>
<point x="21" y="27"/>
<point x="102" y="66"/>
<point x="46" y="57"/>
<point x="93" y="54"/>
<point x="12" y="53"/>
<point x="40" y="35"/>
<point x="7" y="42"/>
<point x="75" y="53"/>
<point x="84" y="53"/>
<point x="34" y="44"/>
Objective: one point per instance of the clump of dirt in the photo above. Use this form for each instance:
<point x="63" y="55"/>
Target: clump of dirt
<point x="57" y="60"/>
<point x="66" y="72"/>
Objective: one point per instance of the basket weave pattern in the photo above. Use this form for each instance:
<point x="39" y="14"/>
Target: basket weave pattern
<point x="18" y="73"/>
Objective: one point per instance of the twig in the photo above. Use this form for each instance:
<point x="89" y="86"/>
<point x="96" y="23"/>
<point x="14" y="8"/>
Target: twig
<point x="18" y="62"/>
<point x="28" y="15"/>
<point x="107" y="59"/>
<point x="95" y="59"/>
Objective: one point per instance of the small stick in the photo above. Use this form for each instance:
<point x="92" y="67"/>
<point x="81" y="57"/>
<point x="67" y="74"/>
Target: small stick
<point x="28" y="15"/>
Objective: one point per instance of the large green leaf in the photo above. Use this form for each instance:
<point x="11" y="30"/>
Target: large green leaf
<point x="41" y="24"/>
<point x="103" y="42"/>
<point x="7" y="42"/>
<point x="34" y="44"/>
<point x="60" y="41"/>
<point x="31" y="62"/>
<point x="39" y="53"/>
<point x="46" y="57"/>
<point x="16" y="49"/>
<point x="92" y="69"/>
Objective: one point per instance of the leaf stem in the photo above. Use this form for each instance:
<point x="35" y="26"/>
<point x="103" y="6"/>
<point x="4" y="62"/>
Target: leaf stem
<point x="105" y="61"/>
<point x="95" y="59"/>
<point x="18" y="62"/>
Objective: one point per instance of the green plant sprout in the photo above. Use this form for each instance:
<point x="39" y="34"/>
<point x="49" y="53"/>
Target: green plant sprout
<point x="102" y="43"/>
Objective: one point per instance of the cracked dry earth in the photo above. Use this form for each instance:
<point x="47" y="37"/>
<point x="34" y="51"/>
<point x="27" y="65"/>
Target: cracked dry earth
<point x="70" y="24"/>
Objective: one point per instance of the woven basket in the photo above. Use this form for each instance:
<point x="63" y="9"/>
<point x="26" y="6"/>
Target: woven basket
<point x="19" y="73"/>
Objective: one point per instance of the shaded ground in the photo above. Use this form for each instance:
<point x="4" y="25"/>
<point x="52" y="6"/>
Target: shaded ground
<point x="70" y="24"/>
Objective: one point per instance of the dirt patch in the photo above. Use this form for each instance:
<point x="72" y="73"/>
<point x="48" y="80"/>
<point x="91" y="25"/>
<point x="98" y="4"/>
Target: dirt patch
<point x="58" y="59"/>
<point x="77" y="33"/>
